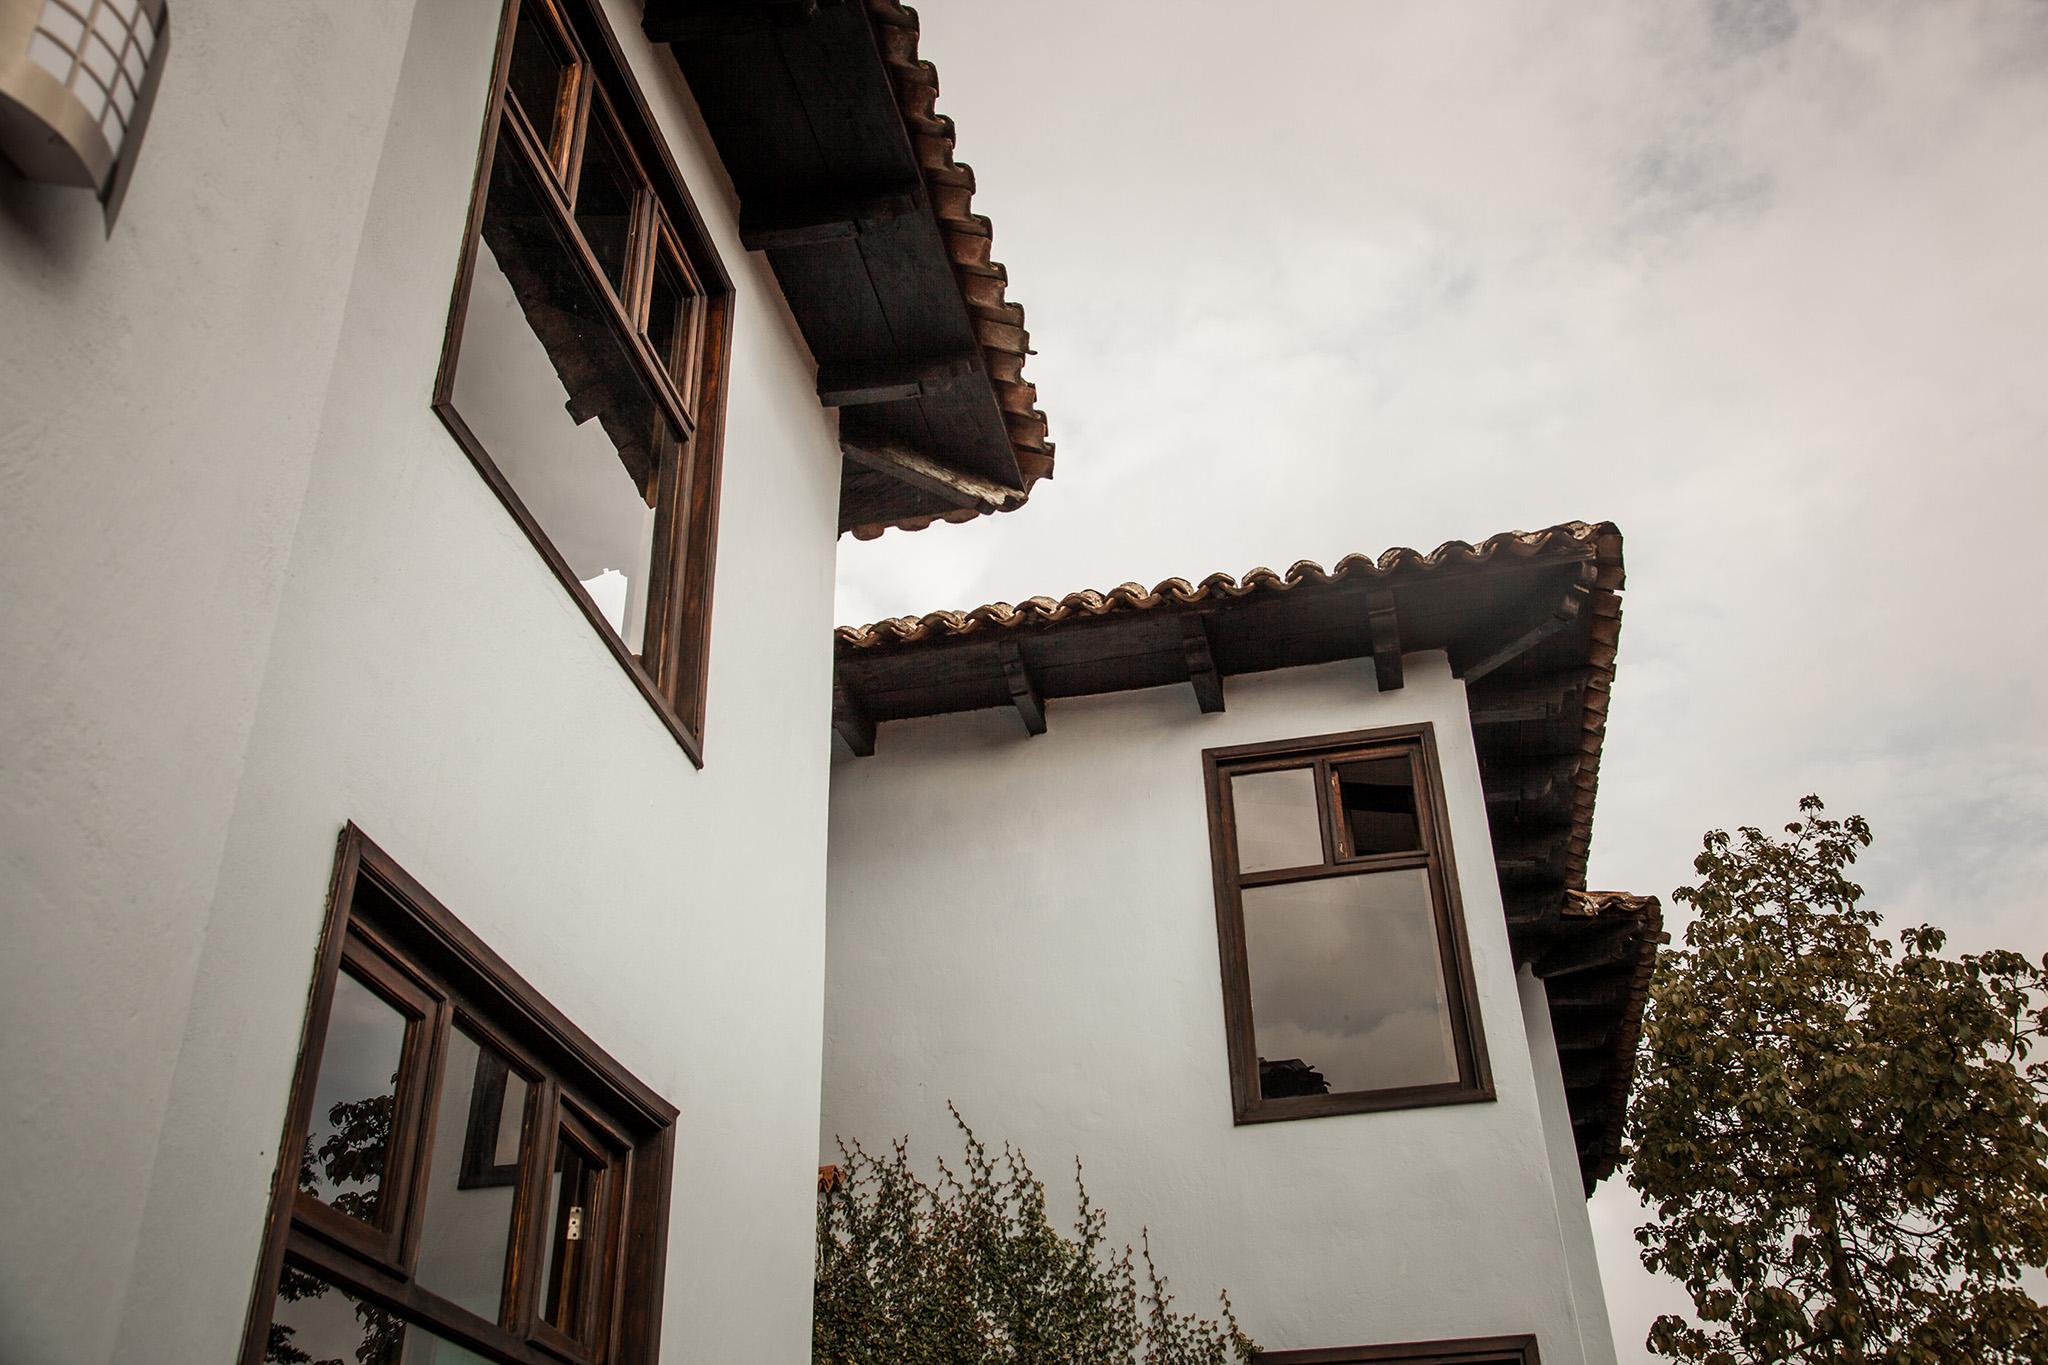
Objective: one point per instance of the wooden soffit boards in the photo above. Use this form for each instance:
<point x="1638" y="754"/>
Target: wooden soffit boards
<point x="824" y="118"/>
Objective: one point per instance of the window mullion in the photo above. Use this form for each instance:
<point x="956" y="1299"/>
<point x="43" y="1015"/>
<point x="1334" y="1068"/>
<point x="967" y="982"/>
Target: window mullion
<point x="431" y="1087"/>
<point x="531" y="1216"/>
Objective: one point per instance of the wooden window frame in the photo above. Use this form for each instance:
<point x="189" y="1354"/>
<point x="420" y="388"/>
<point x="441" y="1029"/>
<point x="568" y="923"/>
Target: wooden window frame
<point x="1511" y="1350"/>
<point x="417" y="948"/>
<point x="1475" y="1075"/>
<point x="673" y="665"/>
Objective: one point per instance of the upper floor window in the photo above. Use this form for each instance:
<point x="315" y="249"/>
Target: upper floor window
<point x="464" y="1175"/>
<point x="1347" y="981"/>
<point x="585" y="361"/>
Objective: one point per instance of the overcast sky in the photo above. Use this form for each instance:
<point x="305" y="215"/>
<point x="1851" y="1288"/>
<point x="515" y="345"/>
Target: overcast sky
<point x="1764" y="283"/>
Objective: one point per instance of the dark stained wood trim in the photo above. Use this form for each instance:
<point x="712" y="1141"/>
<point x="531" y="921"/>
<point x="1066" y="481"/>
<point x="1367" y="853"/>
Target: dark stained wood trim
<point x="1575" y="599"/>
<point x="783" y="226"/>
<point x="299" y="1111"/>
<point x="1385" y="623"/>
<point x="851" y="721"/>
<point x="927" y="475"/>
<point x="405" y="935"/>
<point x="1547" y="698"/>
<point x="1583" y="955"/>
<point x="1023" y="692"/>
<point x="845" y="386"/>
<point x="1202" y="673"/>
<point x="1520" y="1350"/>
<point x="1530" y="781"/>
<point x="1475" y="1082"/>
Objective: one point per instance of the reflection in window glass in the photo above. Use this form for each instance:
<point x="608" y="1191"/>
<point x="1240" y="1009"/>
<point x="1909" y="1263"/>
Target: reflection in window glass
<point x="573" y="1191"/>
<point x="669" y="315"/>
<point x="1277" y="824"/>
<point x="545" y="385"/>
<point x="604" y="201"/>
<point x="1377" y="797"/>
<point x="1347" y="984"/>
<point x="349" y="1133"/>
<point x="323" y="1324"/>
<point x="539" y="74"/>
<point x="473" y="1176"/>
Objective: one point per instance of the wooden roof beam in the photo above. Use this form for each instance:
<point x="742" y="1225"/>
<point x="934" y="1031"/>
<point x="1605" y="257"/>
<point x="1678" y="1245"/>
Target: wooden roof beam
<point x="851" y="721"/>
<point x="1531" y="853"/>
<point x="849" y="386"/>
<point x="1509" y="783"/>
<point x="1385" y="623"/>
<point x="1202" y="671"/>
<point x="1571" y="995"/>
<point x="1023" y="691"/>
<point x="1590" y="953"/>
<point x="786" y="226"/>
<point x="1566" y="612"/>
<point x="1544" y="699"/>
<point x="927" y="475"/>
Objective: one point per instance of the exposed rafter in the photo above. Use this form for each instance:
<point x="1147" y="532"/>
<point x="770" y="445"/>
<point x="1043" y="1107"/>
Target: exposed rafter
<point x="787" y="225"/>
<point x="1023" y="692"/>
<point x="907" y="466"/>
<point x="851" y="721"/>
<point x="1385" y="623"/>
<point x="1208" y="682"/>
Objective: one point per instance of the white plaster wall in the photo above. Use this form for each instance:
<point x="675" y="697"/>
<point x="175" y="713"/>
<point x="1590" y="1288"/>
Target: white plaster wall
<point x="265" y="593"/>
<point x="159" y="401"/>
<point x="1026" y="927"/>
<point x="1573" y="1224"/>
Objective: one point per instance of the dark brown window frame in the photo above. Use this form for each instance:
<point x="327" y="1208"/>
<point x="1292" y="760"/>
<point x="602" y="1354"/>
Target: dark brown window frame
<point x="1475" y="1082"/>
<point x="410" y="945"/>
<point x="1514" y="1350"/>
<point x="673" y="668"/>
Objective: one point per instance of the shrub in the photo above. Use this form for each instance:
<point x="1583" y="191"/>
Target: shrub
<point x="968" y="1270"/>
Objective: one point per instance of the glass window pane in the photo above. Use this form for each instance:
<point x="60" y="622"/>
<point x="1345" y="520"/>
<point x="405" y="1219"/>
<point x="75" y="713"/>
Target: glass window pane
<point x="604" y="201"/>
<point x="539" y="75"/>
<point x="574" y="1189"/>
<point x="544" y="383"/>
<point x="1277" y="824"/>
<point x="669" y="308"/>
<point x="354" y="1096"/>
<point x="1348" y="989"/>
<point x="474" y="1174"/>
<point x="317" y="1323"/>
<point x="1377" y="797"/>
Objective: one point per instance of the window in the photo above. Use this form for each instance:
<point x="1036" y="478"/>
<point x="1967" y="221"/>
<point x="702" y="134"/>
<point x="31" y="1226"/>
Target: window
<point x="464" y="1176"/>
<point x="584" y="364"/>
<point x="1347" y="984"/>
<point x="1520" y="1350"/>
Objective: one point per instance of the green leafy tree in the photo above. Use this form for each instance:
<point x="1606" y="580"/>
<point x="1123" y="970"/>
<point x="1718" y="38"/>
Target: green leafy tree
<point x="969" y="1270"/>
<point x="1844" y="1140"/>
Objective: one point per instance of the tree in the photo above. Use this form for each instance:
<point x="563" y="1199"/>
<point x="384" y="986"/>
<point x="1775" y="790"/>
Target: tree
<point x="969" y="1271"/>
<point x="1844" y="1140"/>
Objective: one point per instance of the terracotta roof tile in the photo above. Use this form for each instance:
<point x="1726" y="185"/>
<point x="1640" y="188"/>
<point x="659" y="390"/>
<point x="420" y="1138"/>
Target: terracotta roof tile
<point x="1038" y="611"/>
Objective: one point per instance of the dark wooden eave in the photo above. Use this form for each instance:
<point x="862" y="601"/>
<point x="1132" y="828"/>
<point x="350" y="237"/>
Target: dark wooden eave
<point x="1530" y="621"/>
<point x="823" y="115"/>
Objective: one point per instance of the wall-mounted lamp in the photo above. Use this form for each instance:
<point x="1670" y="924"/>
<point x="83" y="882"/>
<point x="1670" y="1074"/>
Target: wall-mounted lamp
<point x="77" y="78"/>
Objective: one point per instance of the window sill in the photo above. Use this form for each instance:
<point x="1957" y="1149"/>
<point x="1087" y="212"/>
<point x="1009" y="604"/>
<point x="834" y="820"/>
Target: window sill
<point x="1376" y="1102"/>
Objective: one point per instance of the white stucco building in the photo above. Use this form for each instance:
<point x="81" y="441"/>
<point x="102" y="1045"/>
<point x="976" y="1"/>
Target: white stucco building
<point x="436" y="922"/>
